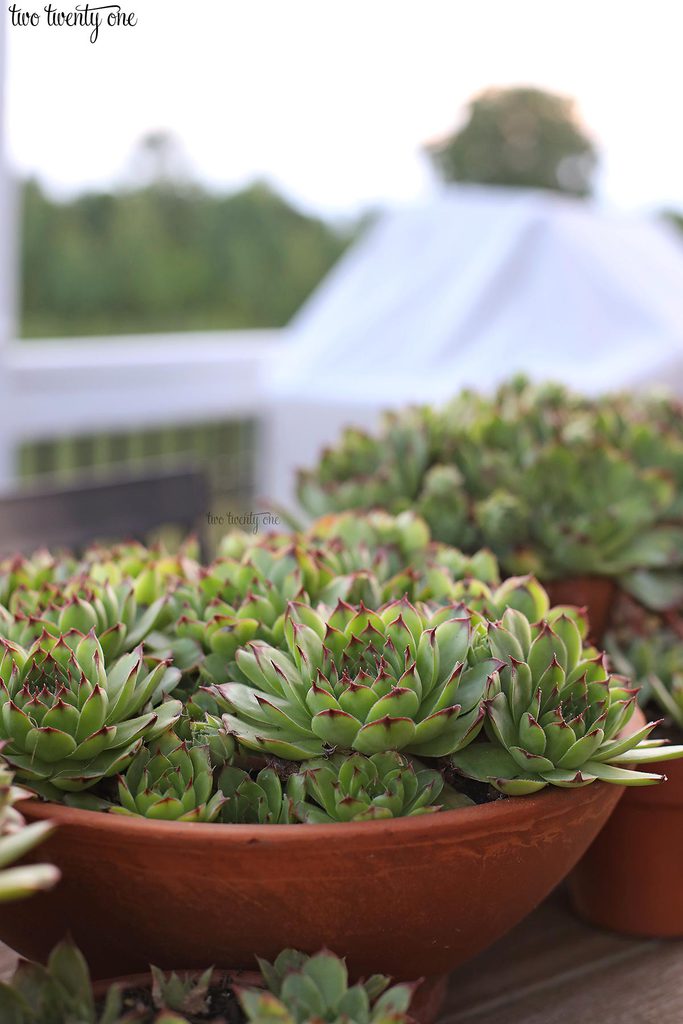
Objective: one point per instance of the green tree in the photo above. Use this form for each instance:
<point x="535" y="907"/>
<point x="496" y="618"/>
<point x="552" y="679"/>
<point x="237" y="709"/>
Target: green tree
<point x="167" y="256"/>
<point x="523" y="137"/>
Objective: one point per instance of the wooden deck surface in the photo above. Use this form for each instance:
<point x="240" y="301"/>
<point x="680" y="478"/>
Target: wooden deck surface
<point x="552" y="969"/>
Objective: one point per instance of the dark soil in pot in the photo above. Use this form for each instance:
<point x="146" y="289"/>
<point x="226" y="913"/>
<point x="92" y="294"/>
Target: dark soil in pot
<point x="221" y="1002"/>
<point x="425" y="1005"/>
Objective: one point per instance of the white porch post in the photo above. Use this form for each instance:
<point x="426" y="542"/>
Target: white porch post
<point x="8" y="277"/>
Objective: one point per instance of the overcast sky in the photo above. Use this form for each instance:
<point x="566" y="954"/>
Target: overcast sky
<point x="331" y="101"/>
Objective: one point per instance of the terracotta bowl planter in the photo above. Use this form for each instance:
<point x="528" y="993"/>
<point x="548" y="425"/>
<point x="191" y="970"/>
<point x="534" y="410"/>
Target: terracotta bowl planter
<point x="410" y="897"/>
<point x="646" y="831"/>
<point x="425" y="1005"/>
<point x="596" y="593"/>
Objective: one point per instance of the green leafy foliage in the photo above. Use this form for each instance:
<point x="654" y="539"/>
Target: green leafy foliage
<point x="167" y="257"/>
<point x="524" y="137"/>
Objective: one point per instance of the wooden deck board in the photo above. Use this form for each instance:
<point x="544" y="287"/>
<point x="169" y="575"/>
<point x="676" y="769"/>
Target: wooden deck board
<point x="552" y="969"/>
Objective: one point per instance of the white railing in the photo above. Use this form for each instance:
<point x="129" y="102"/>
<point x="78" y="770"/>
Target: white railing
<point x="59" y="388"/>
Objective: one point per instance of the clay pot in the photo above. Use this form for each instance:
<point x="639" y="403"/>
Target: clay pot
<point x="425" y="1005"/>
<point x="409" y="897"/>
<point x="595" y="593"/>
<point x="645" y="834"/>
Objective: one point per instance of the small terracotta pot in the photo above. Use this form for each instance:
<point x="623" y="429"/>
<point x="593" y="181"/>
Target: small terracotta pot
<point x="408" y="897"/>
<point x="425" y="1005"/>
<point x="595" y="593"/>
<point x="644" y="835"/>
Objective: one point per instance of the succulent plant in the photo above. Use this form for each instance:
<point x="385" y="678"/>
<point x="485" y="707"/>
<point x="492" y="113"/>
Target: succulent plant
<point x="68" y="720"/>
<point x="478" y="471"/>
<point x="299" y="988"/>
<point x="171" y="780"/>
<point x="254" y="801"/>
<point x="304" y="989"/>
<point x="182" y="994"/>
<point x="34" y="572"/>
<point x="155" y="570"/>
<point x="554" y="715"/>
<point x="354" y="679"/>
<point x="649" y="650"/>
<point x="373" y="558"/>
<point x="59" y="993"/>
<point x="336" y="789"/>
<point x="112" y="611"/>
<point x="360" y="788"/>
<point x="16" y="839"/>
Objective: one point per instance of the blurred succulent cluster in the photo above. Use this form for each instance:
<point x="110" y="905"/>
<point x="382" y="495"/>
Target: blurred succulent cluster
<point x="648" y="648"/>
<point x="355" y="671"/>
<point x="295" y="989"/>
<point x="553" y="484"/>
<point x="243" y="595"/>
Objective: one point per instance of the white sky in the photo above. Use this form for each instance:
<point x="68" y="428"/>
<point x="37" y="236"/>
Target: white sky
<point x="331" y="100"/>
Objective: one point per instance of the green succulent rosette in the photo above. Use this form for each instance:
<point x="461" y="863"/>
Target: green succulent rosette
<point x="397" y="678"/>
<point x="303" y="990"/>
<point x="297" y="988"/>
<point x="31" y="573"/>
<point x="359" y="788"/>
<point x="554" y="484"/>
<point x="339" y="788"/>
<point x="154" y="570"/>
<point x="371" y="559"/>
<point x="68" y="720"/>
<point x="653" y="659"/>
<point x="169" y="780"/>
<point x="554" y="714"/>
<point x="259" y="800"/>
<point x="113" y="612"/>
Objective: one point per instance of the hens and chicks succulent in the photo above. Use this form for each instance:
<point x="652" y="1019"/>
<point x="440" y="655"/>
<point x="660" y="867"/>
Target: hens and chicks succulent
<point x="334" y="675"/>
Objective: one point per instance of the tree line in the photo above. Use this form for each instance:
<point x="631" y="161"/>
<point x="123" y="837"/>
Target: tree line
<point x="167" y="256"/>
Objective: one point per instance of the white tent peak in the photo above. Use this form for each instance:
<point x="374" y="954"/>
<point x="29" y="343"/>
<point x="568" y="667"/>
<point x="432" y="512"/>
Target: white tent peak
<point x="465" y="290"/>
<point x="480" y="282"/>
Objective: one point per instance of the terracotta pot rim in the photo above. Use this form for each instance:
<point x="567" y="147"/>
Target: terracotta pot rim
<point x="465" y="819"/>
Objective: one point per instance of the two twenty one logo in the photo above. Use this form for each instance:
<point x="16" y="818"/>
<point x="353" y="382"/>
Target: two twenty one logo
<point x="252" y="521"/>
<point x="87" y="15"/>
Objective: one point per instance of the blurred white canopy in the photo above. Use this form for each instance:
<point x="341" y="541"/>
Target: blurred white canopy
<point x="467" y="289"/>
